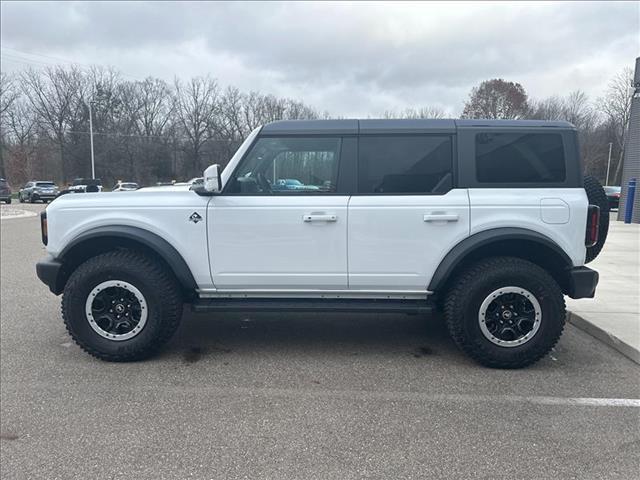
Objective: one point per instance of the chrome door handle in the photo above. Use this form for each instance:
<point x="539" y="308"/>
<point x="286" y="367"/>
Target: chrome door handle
<point x="441" y="217"/>
<point x="312" y="217"/>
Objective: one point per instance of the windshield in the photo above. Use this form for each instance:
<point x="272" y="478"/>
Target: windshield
<point x="226" y="173"/>
<point x="45" y="184"/>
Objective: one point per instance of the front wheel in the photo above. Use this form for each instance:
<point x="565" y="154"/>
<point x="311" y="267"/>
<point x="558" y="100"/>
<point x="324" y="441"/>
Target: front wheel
<point x="121" y="306"/>
<point x="505" y="312"/>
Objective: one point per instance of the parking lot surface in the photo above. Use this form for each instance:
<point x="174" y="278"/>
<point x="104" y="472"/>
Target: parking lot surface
<point x="299" y="396"/>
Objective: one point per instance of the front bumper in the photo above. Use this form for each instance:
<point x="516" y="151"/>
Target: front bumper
<point x="582" y="282"/>
<point x="49" y="271"/>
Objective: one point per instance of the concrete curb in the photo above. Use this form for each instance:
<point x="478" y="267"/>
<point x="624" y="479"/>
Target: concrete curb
<point x="21" y="215"/>
<point x="604" y="336"/>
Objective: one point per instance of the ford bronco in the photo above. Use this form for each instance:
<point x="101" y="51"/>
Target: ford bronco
<point x="489" y="221"/>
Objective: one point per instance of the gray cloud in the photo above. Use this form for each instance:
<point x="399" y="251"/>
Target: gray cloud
<point x="347" y="58"/>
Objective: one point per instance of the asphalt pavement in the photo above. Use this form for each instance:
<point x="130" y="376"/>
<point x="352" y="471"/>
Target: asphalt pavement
<point x="312" y="396"/>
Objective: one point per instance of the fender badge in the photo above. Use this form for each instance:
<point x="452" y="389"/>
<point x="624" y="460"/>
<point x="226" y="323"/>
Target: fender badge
<point x="195" y="218"/>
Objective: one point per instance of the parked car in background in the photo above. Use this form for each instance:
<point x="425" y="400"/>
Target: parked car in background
<point x="83" y="185"/>
<point x="292" y="184"/>
<point x="613" y="195"/>
<point x="193" y="182"/>
<point x="34" y="191"/>
<point x="5" y="191"/>
<point x="125" y="187"/>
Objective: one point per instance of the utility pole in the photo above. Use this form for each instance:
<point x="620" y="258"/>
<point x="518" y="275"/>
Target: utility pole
<point x="93" y="165"/>
<point x="606" y="182"/>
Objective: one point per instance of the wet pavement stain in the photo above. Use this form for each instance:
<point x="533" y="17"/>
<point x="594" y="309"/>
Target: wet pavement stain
<point x="193" y="354"/>
<point x="422" y="352"/>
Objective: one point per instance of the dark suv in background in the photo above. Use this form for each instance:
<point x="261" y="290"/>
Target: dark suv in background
<point x="38" y="190"/>
<point x="5" y="191"/>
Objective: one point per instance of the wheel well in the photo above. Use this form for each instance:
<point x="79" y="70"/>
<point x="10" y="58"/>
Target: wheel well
<point x="90" y="247"/>
<point x="542" y="255"/>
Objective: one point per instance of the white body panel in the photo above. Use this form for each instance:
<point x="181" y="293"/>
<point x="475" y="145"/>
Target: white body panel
<point x="558" y="213"/>
<point x="396" y="242"/>
<point x="165" y="213"/>
<point x="264" y="242"/>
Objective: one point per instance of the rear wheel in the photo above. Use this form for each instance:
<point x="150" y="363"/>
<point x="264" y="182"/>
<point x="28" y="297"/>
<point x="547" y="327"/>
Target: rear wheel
<point x="505" y="312"/>
<point x="121" y="306"/>
<point x="8" y="200"/>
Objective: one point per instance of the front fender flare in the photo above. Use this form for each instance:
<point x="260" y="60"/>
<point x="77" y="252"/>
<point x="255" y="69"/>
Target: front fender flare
<point x="144" y="237"/>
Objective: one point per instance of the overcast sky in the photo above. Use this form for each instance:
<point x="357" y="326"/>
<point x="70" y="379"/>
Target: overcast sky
<point x="349" y="59"/>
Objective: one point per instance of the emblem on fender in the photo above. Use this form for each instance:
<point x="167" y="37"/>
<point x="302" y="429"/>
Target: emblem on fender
<point x="195" y="217"/>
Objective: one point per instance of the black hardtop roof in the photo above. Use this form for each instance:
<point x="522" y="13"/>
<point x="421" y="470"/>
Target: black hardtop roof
<point x="355" y="126"/>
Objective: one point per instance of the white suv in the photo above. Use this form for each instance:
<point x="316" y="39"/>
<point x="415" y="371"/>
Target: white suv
<point x="491" y="221"/>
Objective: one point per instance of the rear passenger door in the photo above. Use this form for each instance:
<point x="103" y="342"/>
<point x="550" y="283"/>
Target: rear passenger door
<point x="406" y="214"/>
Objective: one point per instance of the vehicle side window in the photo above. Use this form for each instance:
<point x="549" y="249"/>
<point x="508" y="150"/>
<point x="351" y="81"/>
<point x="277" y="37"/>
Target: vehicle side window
<point x="408" y="164"/>
<point x="288" y="165"/>
<point x="520" y="158"/>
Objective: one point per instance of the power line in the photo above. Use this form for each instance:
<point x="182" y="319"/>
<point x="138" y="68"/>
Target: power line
<point x="21" y="56"/>
<point x="214" y="140"/>
<point x="119" y="134"/>
<point x="18" y="59"/>
<point x="44" y="56"/>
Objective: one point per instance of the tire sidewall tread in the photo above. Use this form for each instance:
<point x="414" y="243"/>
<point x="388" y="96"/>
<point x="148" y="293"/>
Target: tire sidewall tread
<point x="463" y="301"/>
<point x="161" y="292"/>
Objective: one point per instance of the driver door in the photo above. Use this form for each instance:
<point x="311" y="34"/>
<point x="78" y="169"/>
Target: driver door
<point x="280" y="222"/>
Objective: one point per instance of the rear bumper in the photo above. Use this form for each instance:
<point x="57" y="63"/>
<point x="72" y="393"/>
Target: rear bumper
<point x="582" y="282"/>
<point x="49" y="272"/>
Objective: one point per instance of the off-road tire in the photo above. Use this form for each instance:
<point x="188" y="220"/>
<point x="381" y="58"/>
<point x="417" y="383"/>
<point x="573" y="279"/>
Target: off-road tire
<point x="597" y="196"/>
<point x="472" y="286"/>
<point x="158" y="286"/>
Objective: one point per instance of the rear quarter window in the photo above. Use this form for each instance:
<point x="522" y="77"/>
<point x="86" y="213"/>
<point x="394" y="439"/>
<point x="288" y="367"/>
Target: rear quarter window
<point x="520" y="158"/>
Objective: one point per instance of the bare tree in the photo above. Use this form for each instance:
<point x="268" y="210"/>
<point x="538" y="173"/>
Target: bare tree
<point x="196" y="109"/>
<point x="21" y="130"/>
<point x="497" y="98"/>
<point x="9" y="93"/>
<point x="616" y="107"/>
<point x="423" y="112"/>
<point x="55" y="94"/>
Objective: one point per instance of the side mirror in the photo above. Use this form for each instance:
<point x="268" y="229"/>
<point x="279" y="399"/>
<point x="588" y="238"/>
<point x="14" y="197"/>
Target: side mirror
<point x="212" y="180"/>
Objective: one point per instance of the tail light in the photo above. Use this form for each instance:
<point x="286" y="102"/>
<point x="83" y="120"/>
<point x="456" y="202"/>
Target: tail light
<point x="43" y="227"/>
<point x="593" y="224"/>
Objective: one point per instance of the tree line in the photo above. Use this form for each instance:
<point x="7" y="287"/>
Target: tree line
<point x="151" y="130"/>
<point x="144" y="130"/>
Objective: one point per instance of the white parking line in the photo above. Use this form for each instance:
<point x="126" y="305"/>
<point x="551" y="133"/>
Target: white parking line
<point x="311" y="393"/>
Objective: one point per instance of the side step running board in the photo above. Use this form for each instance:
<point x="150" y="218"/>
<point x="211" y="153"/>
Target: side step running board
<point x="311" y="305"/>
